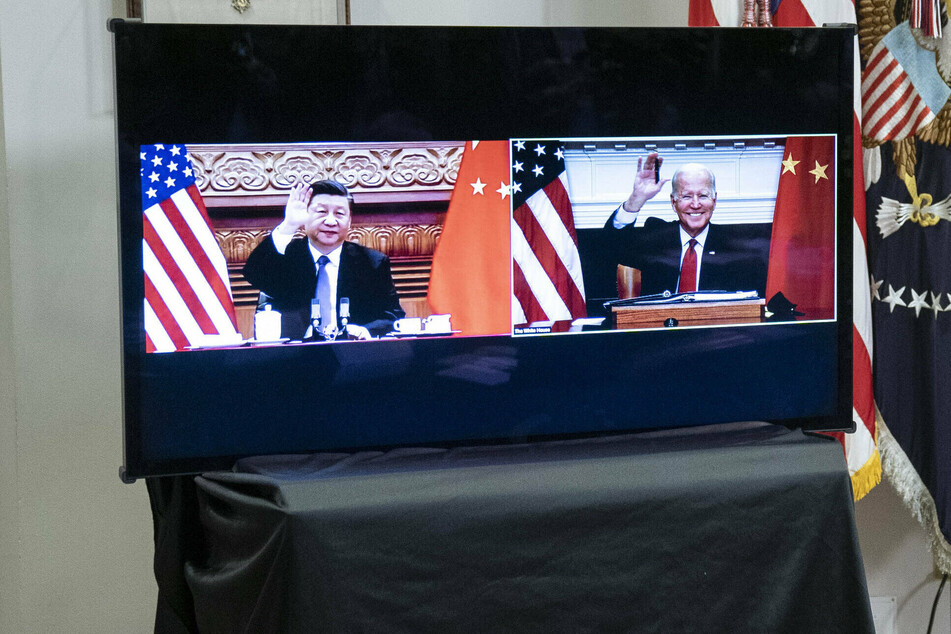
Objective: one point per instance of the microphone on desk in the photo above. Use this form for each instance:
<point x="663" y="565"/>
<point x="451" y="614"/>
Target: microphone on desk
<point x="313" y="332"/>
<point x="344" y="312"/>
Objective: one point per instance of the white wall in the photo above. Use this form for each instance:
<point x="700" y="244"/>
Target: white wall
<point x="76" y="544"/>
<point x="898" y="562"/>
<point x="260" y="12"/>
<point x="9" y="582"/>
<point x="521" y="12"/>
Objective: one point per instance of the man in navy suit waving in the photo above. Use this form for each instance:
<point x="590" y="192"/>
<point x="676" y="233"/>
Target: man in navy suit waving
<point x="294" y="272"/>
<point x="690" y="253"/>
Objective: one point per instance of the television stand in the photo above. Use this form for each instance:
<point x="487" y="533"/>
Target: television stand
<point x="744" y="527"/>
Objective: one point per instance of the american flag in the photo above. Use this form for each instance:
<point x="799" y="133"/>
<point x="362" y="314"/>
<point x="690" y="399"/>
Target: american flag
<point x="187" y="294"/>
<point x="784" y="12"/>
<point x="861" y="447"/>
<point x="546" y="267"/>
<point x="901" y="88"/>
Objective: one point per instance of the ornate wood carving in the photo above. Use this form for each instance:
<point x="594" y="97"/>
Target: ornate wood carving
<point x="260" y="170"/>
<point x="398" y="240"/>
<point x="237" y="244"/>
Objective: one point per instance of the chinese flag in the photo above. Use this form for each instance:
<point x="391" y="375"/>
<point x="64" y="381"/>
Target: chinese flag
<point x="471" y="275"/>
<point x="802" y="249"/>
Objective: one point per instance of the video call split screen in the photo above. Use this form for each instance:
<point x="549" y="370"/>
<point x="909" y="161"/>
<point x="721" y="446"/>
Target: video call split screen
<point x="518" y="237"/>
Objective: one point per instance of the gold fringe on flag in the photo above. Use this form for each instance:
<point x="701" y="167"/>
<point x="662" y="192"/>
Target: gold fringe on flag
<point x="869" y="475"/>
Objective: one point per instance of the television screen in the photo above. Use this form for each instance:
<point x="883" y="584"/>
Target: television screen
<point x="342" y="238"/>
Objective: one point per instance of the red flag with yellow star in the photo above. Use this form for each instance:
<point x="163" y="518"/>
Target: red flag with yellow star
<point x="471" y="276"/>
<point x="802" y="250"/>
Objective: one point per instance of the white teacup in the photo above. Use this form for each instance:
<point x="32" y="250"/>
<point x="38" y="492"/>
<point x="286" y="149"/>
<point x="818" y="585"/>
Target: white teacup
<point x="437" y="324"/>
<point x="408" y="325"/>
<point x="267" y="325"/>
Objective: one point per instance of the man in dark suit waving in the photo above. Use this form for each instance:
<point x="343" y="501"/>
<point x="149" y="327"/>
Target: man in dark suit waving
<point x="293" y="272"/>
<point x="689" y="254"/>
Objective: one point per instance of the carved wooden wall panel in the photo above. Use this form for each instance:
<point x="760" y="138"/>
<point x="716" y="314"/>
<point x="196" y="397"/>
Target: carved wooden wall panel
<point x="383" y="169"/>
<point x="237" y="244"/>
<point x="398" y="241"/>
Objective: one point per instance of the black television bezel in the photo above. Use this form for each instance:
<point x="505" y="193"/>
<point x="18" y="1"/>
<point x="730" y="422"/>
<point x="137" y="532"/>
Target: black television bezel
<point x="152" y="105"/>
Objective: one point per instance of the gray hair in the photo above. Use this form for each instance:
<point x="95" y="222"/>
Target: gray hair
<point x="692" y="167"/>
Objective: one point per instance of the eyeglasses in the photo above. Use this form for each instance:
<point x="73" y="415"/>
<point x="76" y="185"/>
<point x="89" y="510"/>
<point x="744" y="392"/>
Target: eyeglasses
<point x="702" y="198"/>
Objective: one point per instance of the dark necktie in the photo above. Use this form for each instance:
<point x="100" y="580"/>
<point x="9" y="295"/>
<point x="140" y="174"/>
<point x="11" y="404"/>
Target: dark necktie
<point x="322" y="295"/>
<point x="688" y="270"/>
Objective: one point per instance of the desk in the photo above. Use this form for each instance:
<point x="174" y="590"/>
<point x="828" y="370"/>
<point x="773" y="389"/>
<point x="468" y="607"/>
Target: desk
<point x="740" y="528"/>
<point x="688" y="314"/>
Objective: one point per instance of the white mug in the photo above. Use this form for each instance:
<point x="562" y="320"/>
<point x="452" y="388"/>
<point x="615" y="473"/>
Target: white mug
<point x="408" y="326"/>
<point x="437" y="324"/>
<point x="267" y="324"/>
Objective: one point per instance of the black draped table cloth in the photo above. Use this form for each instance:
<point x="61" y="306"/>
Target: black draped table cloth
<point x="734" y="528"/>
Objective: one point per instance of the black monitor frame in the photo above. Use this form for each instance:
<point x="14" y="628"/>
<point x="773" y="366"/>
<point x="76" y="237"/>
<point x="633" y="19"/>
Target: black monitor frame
<point x="187" y="412"/>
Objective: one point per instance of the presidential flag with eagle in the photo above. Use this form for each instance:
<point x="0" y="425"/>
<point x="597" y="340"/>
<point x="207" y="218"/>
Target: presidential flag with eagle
<point x="906" y="135"/>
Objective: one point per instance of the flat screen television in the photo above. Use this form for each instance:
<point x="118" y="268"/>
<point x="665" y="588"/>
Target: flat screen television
<point x="484" y="169"/>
